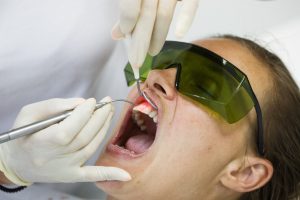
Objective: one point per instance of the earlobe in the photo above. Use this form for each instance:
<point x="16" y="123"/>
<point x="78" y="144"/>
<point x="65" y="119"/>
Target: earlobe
<point x="247" y="176"/>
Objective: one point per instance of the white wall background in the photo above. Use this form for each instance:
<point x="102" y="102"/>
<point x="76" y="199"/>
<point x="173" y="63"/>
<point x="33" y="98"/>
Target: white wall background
<point x="240" y="16"/>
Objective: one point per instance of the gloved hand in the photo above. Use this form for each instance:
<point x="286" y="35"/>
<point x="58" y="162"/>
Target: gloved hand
<point x="57" y="153"/>
<point x="147" y="22"/>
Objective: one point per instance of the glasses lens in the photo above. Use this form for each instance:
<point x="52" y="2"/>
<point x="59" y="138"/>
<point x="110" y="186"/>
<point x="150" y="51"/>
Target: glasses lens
<point x="210" y="83"/>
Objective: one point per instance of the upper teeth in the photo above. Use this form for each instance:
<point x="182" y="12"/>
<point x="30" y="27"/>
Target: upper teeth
<point x="146" y="109"/>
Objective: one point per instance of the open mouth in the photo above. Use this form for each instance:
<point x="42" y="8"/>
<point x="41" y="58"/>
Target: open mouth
<point x="138" y="131"/>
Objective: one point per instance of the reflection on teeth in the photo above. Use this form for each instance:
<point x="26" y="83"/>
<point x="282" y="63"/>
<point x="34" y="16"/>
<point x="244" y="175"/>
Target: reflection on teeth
<point x="155" y="119"/>
<point x="143" y="108"/>
<point x="153" y="114"/>
<point x="143" y="128"/>
<point x="140" y="122"/>
<point x="137" y="116"/>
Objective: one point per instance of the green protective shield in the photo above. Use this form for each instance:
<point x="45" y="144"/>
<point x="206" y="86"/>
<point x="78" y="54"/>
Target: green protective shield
<point x="204" y="77"/>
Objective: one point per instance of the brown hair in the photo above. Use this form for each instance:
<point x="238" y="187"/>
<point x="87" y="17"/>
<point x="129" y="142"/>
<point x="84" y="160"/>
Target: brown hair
<point x="281" y="122"/>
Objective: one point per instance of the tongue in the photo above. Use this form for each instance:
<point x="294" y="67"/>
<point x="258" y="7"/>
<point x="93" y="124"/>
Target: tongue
<point x="139" y="143"/>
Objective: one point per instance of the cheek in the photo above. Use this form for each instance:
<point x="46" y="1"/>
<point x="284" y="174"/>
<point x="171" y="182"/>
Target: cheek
<point x="186" y="158"/>
<point x="193" y="126"/>
<point x="189" y="135"/>
<point x="193" y="136"/>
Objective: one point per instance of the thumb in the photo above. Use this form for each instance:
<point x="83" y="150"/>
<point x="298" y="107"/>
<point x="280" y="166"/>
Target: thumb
<point x="100" y="173"/>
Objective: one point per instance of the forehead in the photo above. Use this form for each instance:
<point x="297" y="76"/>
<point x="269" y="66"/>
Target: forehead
<point x="242" y="58"/>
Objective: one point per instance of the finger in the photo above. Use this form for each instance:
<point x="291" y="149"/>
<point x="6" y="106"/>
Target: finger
<point x="163" y="20"/>
<point x="85" y="153"/>
<point x="88" y="133"/>
<point x="141" y="35"/>
<point x="44" y="109"/>
<point x="100" y="173"/>
<point x="129" y="15"/>
<point x="186" y="17"/>
<point x="71" y="126"/>
<point x="116" y="32"/>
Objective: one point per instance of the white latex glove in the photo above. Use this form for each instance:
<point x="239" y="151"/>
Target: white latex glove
<point x="58" y="153"/>
<point x="147" y="22"/>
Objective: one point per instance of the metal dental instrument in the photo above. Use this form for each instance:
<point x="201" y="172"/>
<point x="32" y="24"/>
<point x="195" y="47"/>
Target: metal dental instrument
<point x="143" y="94"/>
<point x="37" y="126"/>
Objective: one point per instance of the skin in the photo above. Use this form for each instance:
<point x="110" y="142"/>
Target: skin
<point x="195" y="155"/>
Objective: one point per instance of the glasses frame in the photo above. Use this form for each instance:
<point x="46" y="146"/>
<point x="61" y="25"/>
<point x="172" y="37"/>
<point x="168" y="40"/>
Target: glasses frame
<point x="229" y="67"/>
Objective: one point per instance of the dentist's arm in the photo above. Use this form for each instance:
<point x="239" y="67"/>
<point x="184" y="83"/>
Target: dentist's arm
<point x="147" y="22"/>
<point x="58" y="153"/>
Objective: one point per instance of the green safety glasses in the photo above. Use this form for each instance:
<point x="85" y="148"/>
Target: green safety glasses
<point x="206" y="78"/>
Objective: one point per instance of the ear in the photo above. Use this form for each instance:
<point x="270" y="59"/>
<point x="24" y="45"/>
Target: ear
<point x="247" y="175"/>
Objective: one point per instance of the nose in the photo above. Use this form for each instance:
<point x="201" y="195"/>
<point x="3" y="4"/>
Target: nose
<point x="162" y="82"/>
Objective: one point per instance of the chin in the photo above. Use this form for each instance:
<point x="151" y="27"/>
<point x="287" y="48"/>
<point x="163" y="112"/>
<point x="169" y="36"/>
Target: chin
<point x="134" y="144"/>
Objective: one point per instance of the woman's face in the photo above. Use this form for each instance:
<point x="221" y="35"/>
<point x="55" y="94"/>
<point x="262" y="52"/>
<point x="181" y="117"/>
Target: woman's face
<point x="182" y="152"/>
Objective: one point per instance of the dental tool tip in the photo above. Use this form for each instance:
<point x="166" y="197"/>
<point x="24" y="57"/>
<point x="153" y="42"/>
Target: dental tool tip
<point x="136" y="72"/>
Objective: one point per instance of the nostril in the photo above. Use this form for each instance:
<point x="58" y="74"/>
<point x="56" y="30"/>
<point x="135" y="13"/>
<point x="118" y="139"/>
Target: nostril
<point x="160" y="88"/>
